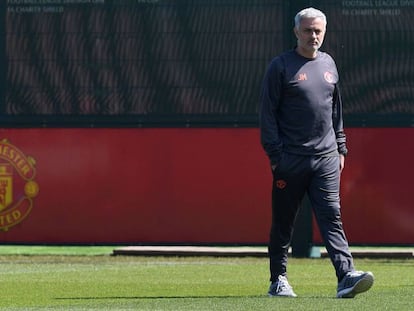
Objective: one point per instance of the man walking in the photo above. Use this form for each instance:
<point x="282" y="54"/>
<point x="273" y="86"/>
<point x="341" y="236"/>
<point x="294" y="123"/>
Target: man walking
<point x="302" y="134"/>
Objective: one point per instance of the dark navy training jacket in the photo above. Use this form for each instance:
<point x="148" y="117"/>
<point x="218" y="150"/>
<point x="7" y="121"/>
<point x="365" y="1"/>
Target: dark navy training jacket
<point x="301" y="107"/>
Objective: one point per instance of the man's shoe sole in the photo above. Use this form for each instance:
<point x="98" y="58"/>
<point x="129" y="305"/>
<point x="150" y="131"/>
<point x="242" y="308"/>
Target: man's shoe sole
<point x="361" y="286"/>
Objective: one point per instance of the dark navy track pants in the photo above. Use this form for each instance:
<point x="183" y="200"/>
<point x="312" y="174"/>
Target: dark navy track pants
<point x="319" y="177"/>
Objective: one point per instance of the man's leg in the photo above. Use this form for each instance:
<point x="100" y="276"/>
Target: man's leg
<point x="289" y="184"/>
<point x="324" y="196"/>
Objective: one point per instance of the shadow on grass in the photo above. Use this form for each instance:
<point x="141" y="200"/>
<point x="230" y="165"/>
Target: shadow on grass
<point x="182" y="297"/>
<point x="157" y="297"/>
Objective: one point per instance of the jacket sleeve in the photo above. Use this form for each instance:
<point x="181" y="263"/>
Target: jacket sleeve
<point x="338" y="123"/>
<point x="270" y="99"/>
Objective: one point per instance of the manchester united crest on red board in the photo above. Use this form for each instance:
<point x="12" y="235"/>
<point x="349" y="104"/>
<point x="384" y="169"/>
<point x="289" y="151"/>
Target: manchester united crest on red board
<point x="17" y="185"/>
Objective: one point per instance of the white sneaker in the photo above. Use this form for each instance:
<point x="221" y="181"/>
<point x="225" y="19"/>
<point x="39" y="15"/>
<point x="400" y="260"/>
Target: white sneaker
<point x="281" y="288"/>
<point x="353" y="283"/>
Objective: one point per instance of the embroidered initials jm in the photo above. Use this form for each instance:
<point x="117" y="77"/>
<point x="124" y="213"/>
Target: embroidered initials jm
<point x="302" y="77"/>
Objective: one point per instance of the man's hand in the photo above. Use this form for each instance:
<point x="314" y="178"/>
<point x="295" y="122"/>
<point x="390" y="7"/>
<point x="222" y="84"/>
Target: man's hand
<point x="341" y="162"/>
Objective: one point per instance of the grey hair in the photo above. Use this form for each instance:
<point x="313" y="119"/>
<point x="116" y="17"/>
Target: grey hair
<point x="309" y="13"/>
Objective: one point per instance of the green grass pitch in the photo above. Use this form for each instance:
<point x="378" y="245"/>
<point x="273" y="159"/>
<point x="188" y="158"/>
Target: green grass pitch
<point x="98" y="281"/>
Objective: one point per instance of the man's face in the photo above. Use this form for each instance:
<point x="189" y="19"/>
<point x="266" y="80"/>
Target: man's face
<point x="310" y="35"/>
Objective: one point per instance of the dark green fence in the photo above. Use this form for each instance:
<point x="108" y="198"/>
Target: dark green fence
<point x="191" y="63"/>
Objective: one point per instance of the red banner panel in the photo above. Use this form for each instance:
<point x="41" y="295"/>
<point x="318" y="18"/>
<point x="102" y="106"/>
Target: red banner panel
<point x="141" y="186"/>
<point x="180" y="185"/>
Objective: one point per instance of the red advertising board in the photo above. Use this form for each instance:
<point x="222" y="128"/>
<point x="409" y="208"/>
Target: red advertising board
<point x="180" y="185"/>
